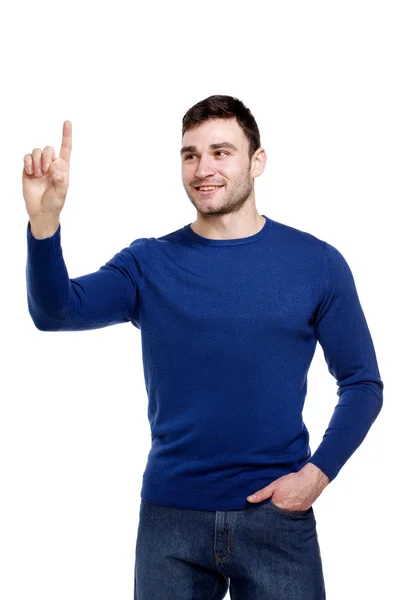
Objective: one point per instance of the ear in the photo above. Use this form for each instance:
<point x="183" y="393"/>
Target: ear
<point x="258" y="162"/>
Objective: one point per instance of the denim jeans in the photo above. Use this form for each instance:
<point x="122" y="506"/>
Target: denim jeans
<point x="263" y="552"/>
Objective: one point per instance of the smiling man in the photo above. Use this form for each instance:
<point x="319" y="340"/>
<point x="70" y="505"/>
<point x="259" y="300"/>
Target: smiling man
<point x="218" y="172"/>
<point x="230" y="309"/>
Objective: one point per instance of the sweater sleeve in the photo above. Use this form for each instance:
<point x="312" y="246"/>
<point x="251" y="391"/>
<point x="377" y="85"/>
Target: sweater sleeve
<point x="342" y="331"/>
<point x="106" y="297"/>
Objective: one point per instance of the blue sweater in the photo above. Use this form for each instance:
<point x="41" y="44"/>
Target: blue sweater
<point x="228" y="332"/>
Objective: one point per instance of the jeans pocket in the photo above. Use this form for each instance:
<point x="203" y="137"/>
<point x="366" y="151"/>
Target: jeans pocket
<point x="290" y="512"/>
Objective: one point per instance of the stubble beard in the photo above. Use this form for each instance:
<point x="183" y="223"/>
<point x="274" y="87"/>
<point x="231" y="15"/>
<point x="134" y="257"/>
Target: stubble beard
<point x="230" y="203"/>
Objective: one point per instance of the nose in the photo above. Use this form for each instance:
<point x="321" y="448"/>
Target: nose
<point x="205" y="168"/>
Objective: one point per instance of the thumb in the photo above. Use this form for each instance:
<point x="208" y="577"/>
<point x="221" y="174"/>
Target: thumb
<point x="58" y="171"/>
<point x="263" y="494"/>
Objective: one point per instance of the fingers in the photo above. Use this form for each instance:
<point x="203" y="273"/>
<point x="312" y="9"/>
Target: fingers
<point x="28" y="164"/>
<point x="37" y="163"/>
<point x="66" y="144"/>
<point x="47" y="158"/>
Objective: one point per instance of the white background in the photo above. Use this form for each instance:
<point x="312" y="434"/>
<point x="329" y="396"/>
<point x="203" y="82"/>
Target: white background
<point x="321" y="81"/>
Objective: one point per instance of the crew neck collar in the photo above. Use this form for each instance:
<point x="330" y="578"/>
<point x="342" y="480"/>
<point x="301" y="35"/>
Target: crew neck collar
<point x="228" y="242"/>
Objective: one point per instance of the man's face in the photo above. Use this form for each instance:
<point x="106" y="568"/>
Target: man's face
<point x="225" y="165"/>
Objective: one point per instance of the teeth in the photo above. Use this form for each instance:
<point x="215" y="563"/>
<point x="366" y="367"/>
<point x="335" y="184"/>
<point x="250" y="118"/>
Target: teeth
<point x="214" y="187"/>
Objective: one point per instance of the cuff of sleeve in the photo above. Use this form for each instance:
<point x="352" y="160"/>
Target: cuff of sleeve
<point x="35" y="245"/>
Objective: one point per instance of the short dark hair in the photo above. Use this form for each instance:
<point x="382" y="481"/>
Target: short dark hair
<point x="224" y="107"/>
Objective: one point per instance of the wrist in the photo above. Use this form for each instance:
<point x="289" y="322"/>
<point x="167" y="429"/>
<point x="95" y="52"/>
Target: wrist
<point x="45" y="226"/>
<point x="315" y="472"/>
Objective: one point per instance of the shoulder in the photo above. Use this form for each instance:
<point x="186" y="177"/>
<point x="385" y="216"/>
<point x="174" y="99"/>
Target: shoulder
<point x="295" y="237"/>
<point x="297" y="246"/>
<point x="300" y="238"/>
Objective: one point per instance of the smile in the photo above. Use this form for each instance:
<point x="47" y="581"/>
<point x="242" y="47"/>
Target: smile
<point x="208" y="192"/>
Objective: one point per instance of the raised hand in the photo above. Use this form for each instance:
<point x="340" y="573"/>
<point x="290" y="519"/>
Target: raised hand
<point x="45" y="179"/>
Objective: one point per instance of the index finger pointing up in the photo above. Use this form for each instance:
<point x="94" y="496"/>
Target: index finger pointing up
<point x="66" y="145"/>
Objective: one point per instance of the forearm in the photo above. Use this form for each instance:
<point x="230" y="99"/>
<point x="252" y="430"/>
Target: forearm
<point x="48" y="285"/>
<point x="356" y="411"/>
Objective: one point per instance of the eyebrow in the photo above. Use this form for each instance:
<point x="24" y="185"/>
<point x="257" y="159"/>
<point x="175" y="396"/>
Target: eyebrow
<point x="212" y="146"/>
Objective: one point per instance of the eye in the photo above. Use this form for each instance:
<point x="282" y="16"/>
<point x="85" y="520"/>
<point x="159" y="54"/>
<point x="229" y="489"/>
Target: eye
<point x="217" y="152"/>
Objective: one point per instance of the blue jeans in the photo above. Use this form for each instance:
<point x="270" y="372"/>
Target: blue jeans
<point x="260" y="553"/>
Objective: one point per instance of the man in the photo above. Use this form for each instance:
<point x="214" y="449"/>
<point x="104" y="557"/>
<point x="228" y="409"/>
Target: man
<point x="230" y="309"/>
